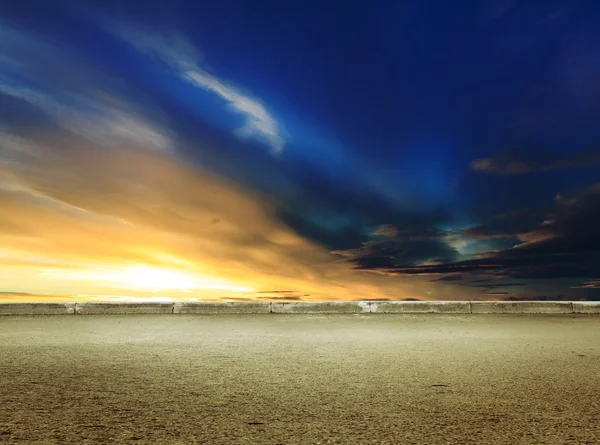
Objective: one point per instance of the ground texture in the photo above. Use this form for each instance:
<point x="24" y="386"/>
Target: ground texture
<point x="300" y="379"/>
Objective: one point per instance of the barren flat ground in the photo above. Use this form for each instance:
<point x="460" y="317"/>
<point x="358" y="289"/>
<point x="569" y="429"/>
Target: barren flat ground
<point x="300" y="379"/>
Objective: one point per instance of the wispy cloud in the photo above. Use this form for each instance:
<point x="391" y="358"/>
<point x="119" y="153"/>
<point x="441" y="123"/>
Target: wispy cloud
<point x="180" y="55"/>
<point x="94" y="121"/>
<point x="516" y="166"/>
<point x="94" y="198"/>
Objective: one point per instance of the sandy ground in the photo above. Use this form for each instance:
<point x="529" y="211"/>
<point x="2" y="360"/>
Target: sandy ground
<point x="300" y="379"/>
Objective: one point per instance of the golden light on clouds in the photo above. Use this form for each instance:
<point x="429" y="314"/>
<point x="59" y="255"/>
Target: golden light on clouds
<point x="81" y="219"/>
<point x="145" y="278"/>
<point x="98" y="202"/>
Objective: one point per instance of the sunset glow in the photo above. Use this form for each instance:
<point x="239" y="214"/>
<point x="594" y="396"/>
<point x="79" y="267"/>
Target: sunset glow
<point x="147" y="278"/>
<point x="167" y="156"/>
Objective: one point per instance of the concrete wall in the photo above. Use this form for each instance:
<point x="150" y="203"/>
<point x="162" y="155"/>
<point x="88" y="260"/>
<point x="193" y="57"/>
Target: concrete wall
<point x="521" y="307"/>
<point x="586" y="307"/>
<point x="262" y="307"/>
<point x="123" y="308"/>
<point x="305" y="307"/>
<point x="37" y="308"/>
<point x="320" y="307"/>
<point x="407" y="307"/>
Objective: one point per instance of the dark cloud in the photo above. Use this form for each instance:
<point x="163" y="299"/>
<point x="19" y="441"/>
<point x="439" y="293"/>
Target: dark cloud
<point x="565" y="244"/>
<point x="285" y="298"/>
<point x="483" y="232"/>
<point x="400" y="247"/>
<point x="240" y="299"/>
<point x="541" y="298"/>
<point x="592" y="284"/>
<point x="494" y="286"/>
<point x="466" y="280"/>
<point x="516" y="166"/>
<point x="388" y="299"/>
<point x="275" y="292"/>
<point x="373" y="299"/>
<point x="458" y="279"/>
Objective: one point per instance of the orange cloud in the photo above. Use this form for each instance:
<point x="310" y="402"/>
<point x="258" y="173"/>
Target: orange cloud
<point x="75" y="215"/>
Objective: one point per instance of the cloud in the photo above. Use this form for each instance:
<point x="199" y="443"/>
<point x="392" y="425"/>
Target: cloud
<point x="285" y="298"/>
<point x="43" y="88"/>
<point x="497" y="285"/>
<point x="401" y="246"/>
<point x="10" y="297"/>
<point x="541" y="298"/>
<point x="455" y="279"/>
<point x="180" y="55"/>
<point x="385" y="230"/>
<point x="90" y="189"/>
<point x="592" y="284"/>
<point x="482" y="232"/>
<point x="565" y="244"/>
<point x="515" y="166"/>
<point x="75" y="203"/>
<point x="96" y="122"/>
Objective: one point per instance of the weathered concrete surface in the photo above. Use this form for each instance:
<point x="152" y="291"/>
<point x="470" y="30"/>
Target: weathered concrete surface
<point x="321" y="307"/>
<point x="222" y="308"/>
<point x="37" y="308"/>
<point x="392" y="307"/>
<point x="123" y="308"/>
<point x="521" y="307"/>
<point x="331" y="379"/>
<point x="586" y="307"/>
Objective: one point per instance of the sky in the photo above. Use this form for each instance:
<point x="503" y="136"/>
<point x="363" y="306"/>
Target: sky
<point x="240" y="151"/>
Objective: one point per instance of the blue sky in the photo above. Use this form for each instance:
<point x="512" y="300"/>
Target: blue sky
<point x="400" y="149"/>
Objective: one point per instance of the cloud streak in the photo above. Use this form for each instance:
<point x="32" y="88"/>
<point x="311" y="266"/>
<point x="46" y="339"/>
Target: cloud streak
<point x="180" y="55"/>
<point x="87" y="208"/>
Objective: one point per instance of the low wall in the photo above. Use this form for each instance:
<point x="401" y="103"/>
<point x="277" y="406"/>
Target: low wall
<point x="305" y="307"/>
<point x="321" y="307"/>
<point x="37" y="308"/>
<point x="123" y="308"/>
<point x="259" y="307"/>
<point x="421" y="307"/>
<point x="522" y="307"/>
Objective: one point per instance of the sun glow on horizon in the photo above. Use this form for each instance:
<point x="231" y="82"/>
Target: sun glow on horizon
<point x="149" y="278"/>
